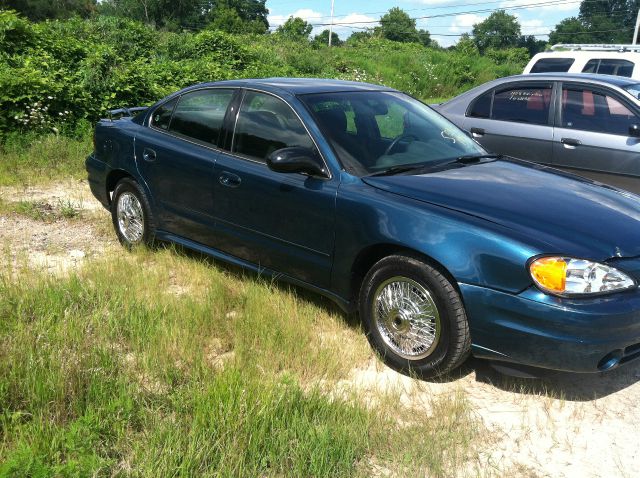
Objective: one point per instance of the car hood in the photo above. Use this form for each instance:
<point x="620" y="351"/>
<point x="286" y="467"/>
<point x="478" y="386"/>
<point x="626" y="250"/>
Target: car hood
<point x="559" y="212"/>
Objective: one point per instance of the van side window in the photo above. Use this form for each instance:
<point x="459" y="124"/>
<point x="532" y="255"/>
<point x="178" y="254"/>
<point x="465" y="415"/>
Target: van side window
<point x="608" y="66"/>
<point x="549" y="65"/>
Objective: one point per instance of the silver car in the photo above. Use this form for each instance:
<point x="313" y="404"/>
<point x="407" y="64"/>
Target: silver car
<point x="586" y="124"/>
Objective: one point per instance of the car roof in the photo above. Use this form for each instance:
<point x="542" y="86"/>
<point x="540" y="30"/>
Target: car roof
<point x="298" y="86"/>
<point x="619" y="81"/>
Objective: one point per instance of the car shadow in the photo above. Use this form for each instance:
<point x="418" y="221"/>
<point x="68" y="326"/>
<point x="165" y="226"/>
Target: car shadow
<point x="575" y="387"/>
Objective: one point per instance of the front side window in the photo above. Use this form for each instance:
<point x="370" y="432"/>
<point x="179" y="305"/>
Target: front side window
<point x="391" y="129"/>
<point x="550" y="65"/>
<point x="525" y="104"/>
<point x="266" y="124"/>
<point x="608" y="66"/>
<point x="199" y="114"/>
<point x="588" y="110"/>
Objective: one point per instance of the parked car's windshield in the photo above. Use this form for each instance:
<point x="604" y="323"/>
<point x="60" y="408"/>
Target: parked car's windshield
<point x="372" y="131"/>
<point x="634" y="89"/>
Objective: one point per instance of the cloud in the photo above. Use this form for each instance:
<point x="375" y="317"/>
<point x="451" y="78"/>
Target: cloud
<point x="307" y="14"/>
<point x="555" y="6"/>
<point x="315" y="17"/>
<point x="464" y="23"/>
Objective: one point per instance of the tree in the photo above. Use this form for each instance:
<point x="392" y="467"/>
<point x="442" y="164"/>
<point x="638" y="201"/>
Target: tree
<point x="532" y="44"/>
<point x="295" y="28"/>
<point x="499" y="30"/>
<point x="599" y="21"/>
<point x="323" y="38"/>
<point x="252" y="13"/>
<point x="228" y="15"/>
<point x="38" y="10"/>
<point x="570" y="30"/>
<point x="397" y="25"/>
<point x="360" y="36"/>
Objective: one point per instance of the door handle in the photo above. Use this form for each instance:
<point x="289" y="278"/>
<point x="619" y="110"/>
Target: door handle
<point x="570" y="142"/>
<point x="148" y="154"/>
<point x="229" y="179"/>
<point x="477" y="132"/>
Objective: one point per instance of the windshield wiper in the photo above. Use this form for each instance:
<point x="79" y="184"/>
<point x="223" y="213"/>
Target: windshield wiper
<point x="396" y="170"/>
<point x="472" y="158"/>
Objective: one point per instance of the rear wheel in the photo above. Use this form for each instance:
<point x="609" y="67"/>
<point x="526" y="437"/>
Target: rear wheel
<point x="131" y="214"/>
<point x="414" y="317"/>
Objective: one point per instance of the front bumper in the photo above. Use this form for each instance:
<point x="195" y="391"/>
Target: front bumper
<point x="536" y="329"/>
<point x="97" y="176"/>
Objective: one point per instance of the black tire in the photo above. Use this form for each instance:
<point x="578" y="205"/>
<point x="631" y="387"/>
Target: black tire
<point x="382" y="317"/>
<point x="131" y="188"/>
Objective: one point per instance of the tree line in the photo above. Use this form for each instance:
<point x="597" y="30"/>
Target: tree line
<point x="598" y="21"/>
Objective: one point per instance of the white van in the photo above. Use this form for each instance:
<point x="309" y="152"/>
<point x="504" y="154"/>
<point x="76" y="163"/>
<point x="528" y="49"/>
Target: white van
<point x="618" y="60"/>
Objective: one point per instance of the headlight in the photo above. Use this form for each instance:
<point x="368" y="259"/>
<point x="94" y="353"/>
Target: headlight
<point x="567" y="276"/>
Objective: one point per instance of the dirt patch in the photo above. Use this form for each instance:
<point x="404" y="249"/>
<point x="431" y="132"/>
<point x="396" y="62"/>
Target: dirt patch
<point x="566" y="425"/>
<point x="74" y="193"/>
<point x="57" y="244"/>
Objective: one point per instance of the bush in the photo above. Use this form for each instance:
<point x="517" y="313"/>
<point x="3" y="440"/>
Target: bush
<point x="57" y="74"/>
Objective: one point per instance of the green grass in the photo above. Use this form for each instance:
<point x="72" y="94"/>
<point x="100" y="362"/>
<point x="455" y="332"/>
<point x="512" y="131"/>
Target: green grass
<point x="162" y="364"/>
<point x="37" y="159"/>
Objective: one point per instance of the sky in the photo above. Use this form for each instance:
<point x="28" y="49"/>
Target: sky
<point x="446" y="20"/>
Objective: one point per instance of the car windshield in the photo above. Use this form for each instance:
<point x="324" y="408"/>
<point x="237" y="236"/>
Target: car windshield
<point x="374" y="131"/>
<point x="634" y="89"/>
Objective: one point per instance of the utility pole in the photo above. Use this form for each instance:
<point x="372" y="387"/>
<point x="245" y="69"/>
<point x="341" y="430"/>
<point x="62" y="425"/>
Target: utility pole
<point x="331" y="24"/>
<point x="635" y="34"/>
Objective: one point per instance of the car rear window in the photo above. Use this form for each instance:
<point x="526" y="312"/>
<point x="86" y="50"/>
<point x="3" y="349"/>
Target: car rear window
<point x="608" y="66"/>
<point x="199" y="114"/>
<point x="522" y="104"/>
<point x="548" y="65"/>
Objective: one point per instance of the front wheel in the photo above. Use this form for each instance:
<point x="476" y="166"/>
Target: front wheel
<point x="131" y="214"/>
<point x="414" y="317"/>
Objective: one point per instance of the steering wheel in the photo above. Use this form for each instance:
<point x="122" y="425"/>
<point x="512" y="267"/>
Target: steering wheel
<point x="394" y="143"/>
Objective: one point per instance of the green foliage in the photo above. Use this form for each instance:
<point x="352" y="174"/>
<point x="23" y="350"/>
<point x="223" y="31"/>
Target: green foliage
<point x="58" y="74"/>
<point x="37" y="10"/>
<point x="295" y="28"/>
<point x="499" y="30"/>
<point x="515" y="56"/>
<point x="397" y="25"/>
<point x="323" y="39"/>
<point x="599" y="21"/>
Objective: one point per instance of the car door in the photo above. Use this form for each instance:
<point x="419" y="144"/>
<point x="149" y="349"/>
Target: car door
<point x="592" y="137"/>
<point x="514" y="119"/>
<point x="175" y="155"/>
<point x="284" y="222"/>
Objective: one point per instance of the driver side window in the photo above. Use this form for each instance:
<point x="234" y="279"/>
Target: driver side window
<point x="266" y="124"/>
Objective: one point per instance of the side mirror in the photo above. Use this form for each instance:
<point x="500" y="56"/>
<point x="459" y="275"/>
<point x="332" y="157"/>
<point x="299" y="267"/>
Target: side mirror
<point x="297" y="160"/>
<point x="634" y="131"/>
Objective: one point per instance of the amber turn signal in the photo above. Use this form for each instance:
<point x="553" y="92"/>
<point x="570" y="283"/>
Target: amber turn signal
<point x="550" y="273"/>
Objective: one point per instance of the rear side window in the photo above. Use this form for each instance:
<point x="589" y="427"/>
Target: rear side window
<point x="608" y="66"/>
<point x="481" y="107"/>
<point x="588" y="110"/>
<point x="525" y="104"/>
<point x="548" y="65"/>
<point x="199" y="115"/>
<point x="162" y="115"/>
<point x="266" y="124"/>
